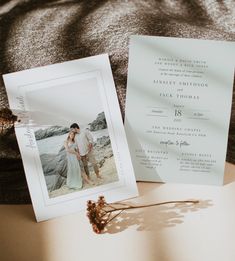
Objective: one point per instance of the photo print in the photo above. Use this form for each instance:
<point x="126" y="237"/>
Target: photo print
<point x="71" y="135"/>
<point x="74" y="144"/>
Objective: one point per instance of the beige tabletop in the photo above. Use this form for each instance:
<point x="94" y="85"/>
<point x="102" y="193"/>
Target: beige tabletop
<point x="203" y="232"/>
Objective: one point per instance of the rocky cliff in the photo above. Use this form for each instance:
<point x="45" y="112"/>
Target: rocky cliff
<point x="99" y="123"/>
<point x="51" y="131"/>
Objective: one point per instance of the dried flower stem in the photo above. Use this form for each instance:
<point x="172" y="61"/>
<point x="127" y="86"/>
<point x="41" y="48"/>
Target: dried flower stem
<point x="152" y="205"/>
<point x="100" y="212"/>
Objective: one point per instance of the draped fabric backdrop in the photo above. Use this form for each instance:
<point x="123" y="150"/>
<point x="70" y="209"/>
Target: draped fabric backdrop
<point x="41" y="32"/>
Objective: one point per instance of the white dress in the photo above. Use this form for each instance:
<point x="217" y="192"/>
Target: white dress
<point x="74" y="178"/>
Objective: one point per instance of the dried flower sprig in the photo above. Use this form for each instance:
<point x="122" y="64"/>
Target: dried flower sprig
<point x="7" y="120"/>
<point x="101" y="213"/>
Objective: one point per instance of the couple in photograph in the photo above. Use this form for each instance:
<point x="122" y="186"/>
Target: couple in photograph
<point x="79" y="147"/>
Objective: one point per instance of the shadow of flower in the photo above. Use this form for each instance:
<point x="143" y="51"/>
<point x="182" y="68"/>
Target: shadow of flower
<point x="154" y="218"/>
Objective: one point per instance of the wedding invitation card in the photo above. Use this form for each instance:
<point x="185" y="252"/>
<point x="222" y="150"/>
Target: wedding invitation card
<point x="178" y="105"/>
<point x="70" y="135"/>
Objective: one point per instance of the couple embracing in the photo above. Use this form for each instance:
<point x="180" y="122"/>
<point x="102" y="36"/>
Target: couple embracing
<point x="79" y="147"/>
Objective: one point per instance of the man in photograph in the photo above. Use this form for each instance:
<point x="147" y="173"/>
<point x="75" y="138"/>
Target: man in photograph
<point x="84" y="141"/>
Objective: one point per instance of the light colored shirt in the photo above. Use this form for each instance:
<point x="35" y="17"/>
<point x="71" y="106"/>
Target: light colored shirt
<point x="83" y="139"/>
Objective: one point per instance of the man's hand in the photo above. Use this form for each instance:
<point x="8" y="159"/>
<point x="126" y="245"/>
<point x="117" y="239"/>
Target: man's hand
<point x="90" y="146"/>
<point x="78" y="156"/>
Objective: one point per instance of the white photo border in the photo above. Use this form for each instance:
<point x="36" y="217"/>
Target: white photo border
<point x="17" y="88"/>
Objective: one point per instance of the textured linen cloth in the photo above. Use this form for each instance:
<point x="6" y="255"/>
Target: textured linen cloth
<point x="36" y="33"/>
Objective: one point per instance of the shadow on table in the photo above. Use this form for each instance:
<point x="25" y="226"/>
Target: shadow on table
<point x="146" y="187"/>
<point x="155" y="218"/>
<point x="21" y="238"/>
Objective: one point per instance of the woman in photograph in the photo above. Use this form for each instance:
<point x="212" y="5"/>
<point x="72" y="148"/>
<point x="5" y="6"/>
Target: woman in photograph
<point x="74" y="176"/>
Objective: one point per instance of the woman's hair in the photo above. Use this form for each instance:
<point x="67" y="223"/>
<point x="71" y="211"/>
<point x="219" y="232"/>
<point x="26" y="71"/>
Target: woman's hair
<point x="73" y="139"/>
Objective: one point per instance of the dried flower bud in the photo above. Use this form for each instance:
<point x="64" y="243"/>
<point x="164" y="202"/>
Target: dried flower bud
<point x="7" y="120"/>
